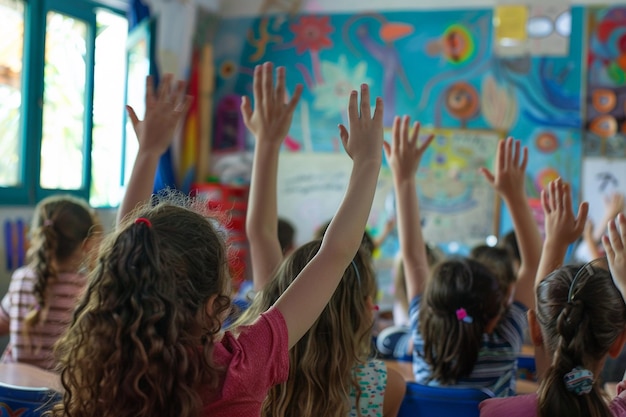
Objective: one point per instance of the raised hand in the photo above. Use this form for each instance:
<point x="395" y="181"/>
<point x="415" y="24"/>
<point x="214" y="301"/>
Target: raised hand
<point x="165" y="111"/>
<point x="365" y="138"/>
<point x="615" y="248"/>
<point x="405" y="152"/>
<point x="273" y="109"/>
<point x="510" y="170"/>
<point x="560" y="222"/>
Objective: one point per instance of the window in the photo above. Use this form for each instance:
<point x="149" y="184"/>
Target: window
<point x="62" y="130"/>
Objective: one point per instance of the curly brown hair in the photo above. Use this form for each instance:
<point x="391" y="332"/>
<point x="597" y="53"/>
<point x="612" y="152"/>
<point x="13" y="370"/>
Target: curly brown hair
<point x="321" y="364"/>
<point x="142" y="339"/>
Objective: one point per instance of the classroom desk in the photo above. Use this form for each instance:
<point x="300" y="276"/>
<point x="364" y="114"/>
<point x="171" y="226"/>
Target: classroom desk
<point x="25" y="375"/>
<point x="406" y="370"/>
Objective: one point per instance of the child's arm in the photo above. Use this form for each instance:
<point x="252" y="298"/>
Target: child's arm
<point x="269" y="123"/>
<point x="164" y="112"/>
<point x="614" y="246"/>
<point x="404" y="155"/>
<point x="590" y="241"/>
<point x="306" y="297"/>
<point x="508" y="180"/>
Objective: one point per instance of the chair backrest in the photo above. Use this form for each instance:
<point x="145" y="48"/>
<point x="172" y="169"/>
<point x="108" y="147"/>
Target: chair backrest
<point x="18" y="401"/>
<point x="426" y="401"/>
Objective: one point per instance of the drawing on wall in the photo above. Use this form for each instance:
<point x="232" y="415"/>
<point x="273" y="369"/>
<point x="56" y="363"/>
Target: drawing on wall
<point x="456" y="201"/>
<point x="439" y="67"/>
<point x="605" y="120"/>
<point x="602" y="177"/>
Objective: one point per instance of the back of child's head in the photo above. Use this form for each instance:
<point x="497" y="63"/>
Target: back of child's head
<point x="320" y="374"/>
<point x="509" y="242"/>
<point x="461" y="298"/>
<point x="286" y="235"/>
<point x="61" y="224"/>
<point x="581" y="314"/>
<point x="498" y="261"/>
<point x="433" y="257"/>
<point x="142" y="338"/>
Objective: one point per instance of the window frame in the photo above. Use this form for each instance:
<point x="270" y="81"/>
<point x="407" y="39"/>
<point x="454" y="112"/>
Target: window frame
<point x="29" y="190"/>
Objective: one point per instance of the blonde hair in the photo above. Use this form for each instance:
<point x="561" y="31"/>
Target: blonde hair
<point x="60" y="225"/>
<point x="141" y="341"/>
<point x="321" y="363"/>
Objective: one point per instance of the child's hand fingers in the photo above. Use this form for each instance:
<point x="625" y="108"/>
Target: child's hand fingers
<point x="414" y="134"/>
<point x="281" y="90"/>
<point x="614" y="237"/>
<point x="516" y="153"/>
<point x="395" y="133"/>
<point x="545" y="202"/>
<point x="581" y="219"/>
<point x="268" y="84"/>
<point x="344" y="135"/>
<point x="387" y="150"/>
<point x="353" y="108"/>
<point x="246" y="110"/>
<point x="378" y="111"/>
<point x="422" y="148"/>
<point x="132" y="115"/>
<point x="501" y="156"/>
<point x="566" y="197"/>
<point x="257" y="88"/>
<point x="552" y="195"/>
<point x="608" y="248"/>
<point x="293" y="102"/>
<point x="488" y="175"/>
<point x="524" y="162"/>
<point x="165" y="86"/>
<point x="404" y="134"/>
<point x="365" y="102"/>
<point x="508" y="151"/>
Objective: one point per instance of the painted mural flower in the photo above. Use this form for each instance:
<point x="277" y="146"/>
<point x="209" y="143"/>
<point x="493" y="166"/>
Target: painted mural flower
<point x="339" y="79"/>
<point x="311" y="33"/>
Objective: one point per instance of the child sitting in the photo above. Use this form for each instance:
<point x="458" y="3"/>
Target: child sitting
<point x="580" y="320"/>
<point x="42" y="295"/>
<point x="460" y="334"/>
<point x="146" y="339"/>
<point x="331" y="372"/>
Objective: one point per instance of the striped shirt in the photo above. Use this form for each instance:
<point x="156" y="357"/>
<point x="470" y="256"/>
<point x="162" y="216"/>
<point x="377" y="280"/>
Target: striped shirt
<point x="62" y="295"/>
<point x="496" y="366"/>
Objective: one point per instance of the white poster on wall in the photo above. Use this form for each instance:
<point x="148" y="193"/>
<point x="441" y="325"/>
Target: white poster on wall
<point x="602" y="177"/>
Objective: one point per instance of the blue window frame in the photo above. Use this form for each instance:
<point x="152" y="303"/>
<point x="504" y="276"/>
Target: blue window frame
<point x="54" y="155"/>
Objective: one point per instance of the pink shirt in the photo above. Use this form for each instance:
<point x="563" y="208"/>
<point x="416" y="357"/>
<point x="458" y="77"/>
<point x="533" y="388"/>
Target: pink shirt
<point x="63" y="294"/>
<point x="255" y="361"/>
<point x="526" y="406"/>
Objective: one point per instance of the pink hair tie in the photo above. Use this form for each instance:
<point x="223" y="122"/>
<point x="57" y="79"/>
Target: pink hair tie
<point x="47" y="223"/>
<point x="143" y="220"/>
<point x="461" y="315"/>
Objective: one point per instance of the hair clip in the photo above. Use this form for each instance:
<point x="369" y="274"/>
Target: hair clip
<point x="143" y="220"/>
<point x="579" y="380"/>
<point x="461" y="315"/>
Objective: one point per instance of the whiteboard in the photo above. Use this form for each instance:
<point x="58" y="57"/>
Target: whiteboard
<point x="602" y="177"/>
<point x="311" y="186"/>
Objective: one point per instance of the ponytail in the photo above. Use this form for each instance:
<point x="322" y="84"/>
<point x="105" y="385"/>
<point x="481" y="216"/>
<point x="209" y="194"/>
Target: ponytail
<point x="581" y="314"/>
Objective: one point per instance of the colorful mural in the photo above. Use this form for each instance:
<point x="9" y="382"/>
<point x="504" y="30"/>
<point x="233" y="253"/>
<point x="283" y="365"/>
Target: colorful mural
<point x="438" y="67"/>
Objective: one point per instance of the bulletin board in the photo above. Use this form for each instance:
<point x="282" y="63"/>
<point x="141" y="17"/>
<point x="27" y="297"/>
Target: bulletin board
<point x="311" y="186"/>
<point x="601" y="178"/>
<point x="456" y="201"/>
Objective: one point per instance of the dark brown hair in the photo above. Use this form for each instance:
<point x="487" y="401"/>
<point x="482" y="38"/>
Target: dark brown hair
<point x="498" y="260"/>
<point x="450" y="345"/>
<point x="141" y="341"/>
<point x="578" y="329"/>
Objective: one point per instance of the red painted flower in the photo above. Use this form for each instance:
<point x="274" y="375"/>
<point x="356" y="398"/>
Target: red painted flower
<point x="311" y="33"/>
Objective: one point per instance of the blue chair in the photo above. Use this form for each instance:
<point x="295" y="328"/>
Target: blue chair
<point x="426" y="401"/>
<point x="18" y="401"/>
